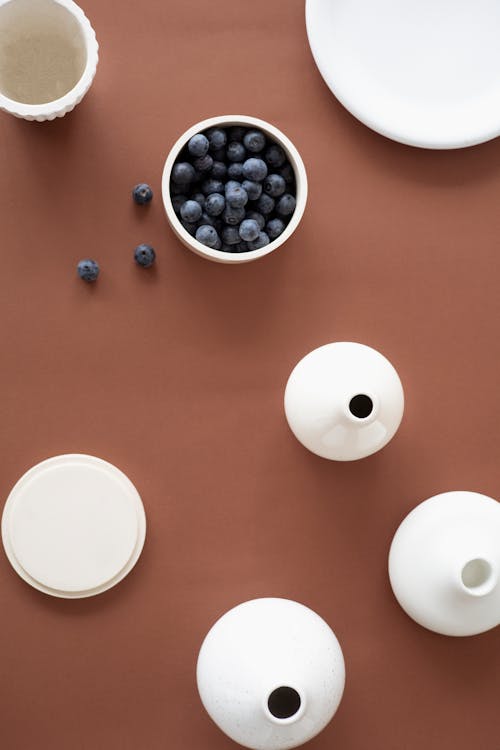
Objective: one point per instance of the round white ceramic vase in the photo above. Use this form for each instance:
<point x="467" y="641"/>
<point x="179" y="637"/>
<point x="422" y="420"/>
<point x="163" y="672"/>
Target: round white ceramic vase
<point x="344" y="401"/>
<point x="48" y="57"/>
<point x="271" y="674"/>
<point x="444" y="563"/>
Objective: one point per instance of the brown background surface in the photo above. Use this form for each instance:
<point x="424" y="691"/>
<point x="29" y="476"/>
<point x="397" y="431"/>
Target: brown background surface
<point x="177" y="376"/>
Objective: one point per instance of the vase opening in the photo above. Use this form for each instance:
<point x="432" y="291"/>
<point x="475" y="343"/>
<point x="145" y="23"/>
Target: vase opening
<point x="477" y="576"/>
<point x="42" y="51"/>
<point x="361" y="406"/>
<point x="284" y="702"/>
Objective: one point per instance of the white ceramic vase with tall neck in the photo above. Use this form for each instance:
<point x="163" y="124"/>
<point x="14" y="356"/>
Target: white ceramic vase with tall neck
<point x="444" y="563"/>
<point x="271" y="674"/>
<point x="344" y="401"/>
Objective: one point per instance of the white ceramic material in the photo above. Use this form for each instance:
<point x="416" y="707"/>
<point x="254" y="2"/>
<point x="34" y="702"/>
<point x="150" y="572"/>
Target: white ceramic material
<point x="73" y="526"/>
<point x="300" y="178"/>
<point x="48" y="57"/>
<point x="425" y="73"/>
<point x="444" y="563"/>
<point x="344" y="401"/>
<point x="271" y="674"/>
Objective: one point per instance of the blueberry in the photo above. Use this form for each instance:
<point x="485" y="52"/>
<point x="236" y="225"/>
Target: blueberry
<point x="286" y="205"/>
<point x="237" y="133"/>
<point x="217" y="138"/>
<point x="189" y="227"/>
<point x="274" y="228"/>
<point x="241" y="247"/>
<point x="212" y="186"/>
<point x="274" y="185"/>
<point x="88" y="270"/>
<point x="235" y="170"/>
<point x="254" y="169"/>
<point x="144" y="255"/>
<point x="191" y="211"/>
<point x="275" y="156"/>
<point x="254" y="141"/>
<point x="226" y="248"/>
<point x="215" y="204"/>
<point x="261" y="241"/>
<point x="142" y="193"/>
<point x="199" y="198"/>
<point x="177" y="201"/>
<point x="183" y="173"/>
<point x="236" y="197"/>
<point x="219" y="154"/>
<point x="253" y="189"/>
<point x="232" y="184"/>
<point x="218" y="171"/>
<point x="204" y="163"/>
<point x="287" y="173"/>
<point x="208" y="236"/>
<point x="235" y="151"/>
<point x="233" y="216"/>
<point x="207" y="219"/>
<point x="231" y="236"/>
<point x="177" y="189"/>
<point x="198" y="145"/>
<point x="249" y="230"/>
<point x="265" y="204"/>
<point x="256" y="217"/>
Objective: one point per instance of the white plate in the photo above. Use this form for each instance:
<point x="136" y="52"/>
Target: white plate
<point x="422" y="72"/>
<point x="73" y="526"/>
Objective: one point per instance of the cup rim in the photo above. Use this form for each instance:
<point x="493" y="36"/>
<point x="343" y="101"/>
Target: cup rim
<point x="300" y="180"/>
<point x="74" y="95"/>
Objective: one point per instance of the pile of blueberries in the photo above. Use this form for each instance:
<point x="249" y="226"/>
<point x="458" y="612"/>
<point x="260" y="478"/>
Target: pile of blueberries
<point x="233" y="189"/>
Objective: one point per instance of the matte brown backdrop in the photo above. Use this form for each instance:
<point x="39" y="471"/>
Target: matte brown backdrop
<point x="176" y="375"/>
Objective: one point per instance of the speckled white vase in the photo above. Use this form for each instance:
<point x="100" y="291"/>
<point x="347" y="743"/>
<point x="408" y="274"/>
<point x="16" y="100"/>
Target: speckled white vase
<point x="344" y="401"/>
<point x="48" y="57"/>
<point x="444" y="563"/>
<point x="271" y="674"/>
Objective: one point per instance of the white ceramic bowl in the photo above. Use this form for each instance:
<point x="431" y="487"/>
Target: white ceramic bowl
<point x="293" y="155"/>
<point x="48" y="57"/>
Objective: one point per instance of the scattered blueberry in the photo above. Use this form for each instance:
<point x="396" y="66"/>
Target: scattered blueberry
<point x="265" y="204"/>
<point x="261" y="241"/>
<point x="183" y="173"/>
<point x="286" y="205"/>
<point x="233" y="216"/>
<point x="191" y="211"/>
<point x="208" y="236"/>
<point x="254" y="141"/>
<point x="236" y="197"/>
<point x="177" y="201"/>
<point x="144" y="255"/>
<point x="254" y="169"/>
<point x="231" y="236"/>
<point x="217" y="138"/>
<point x="236" y="133"/>
<point x="218" y="171"/>
<point x="88" y="270"/>
<point x="275" y="156"/>
<point x="252" y="189"/>
<point x="274" y="185"/>
<point x="215" y="204"/>
<point x="256" y="217"/>
<point x="142" y="193"/>
<point x="198" y="145"/>
<point x="204" y="163"/>
<point x="199" y="198"/>
<point x="249" y="230"/>
<point x="235" y="170"/>
<point x="212" y="186"/>
<point x="235" y="151"/>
